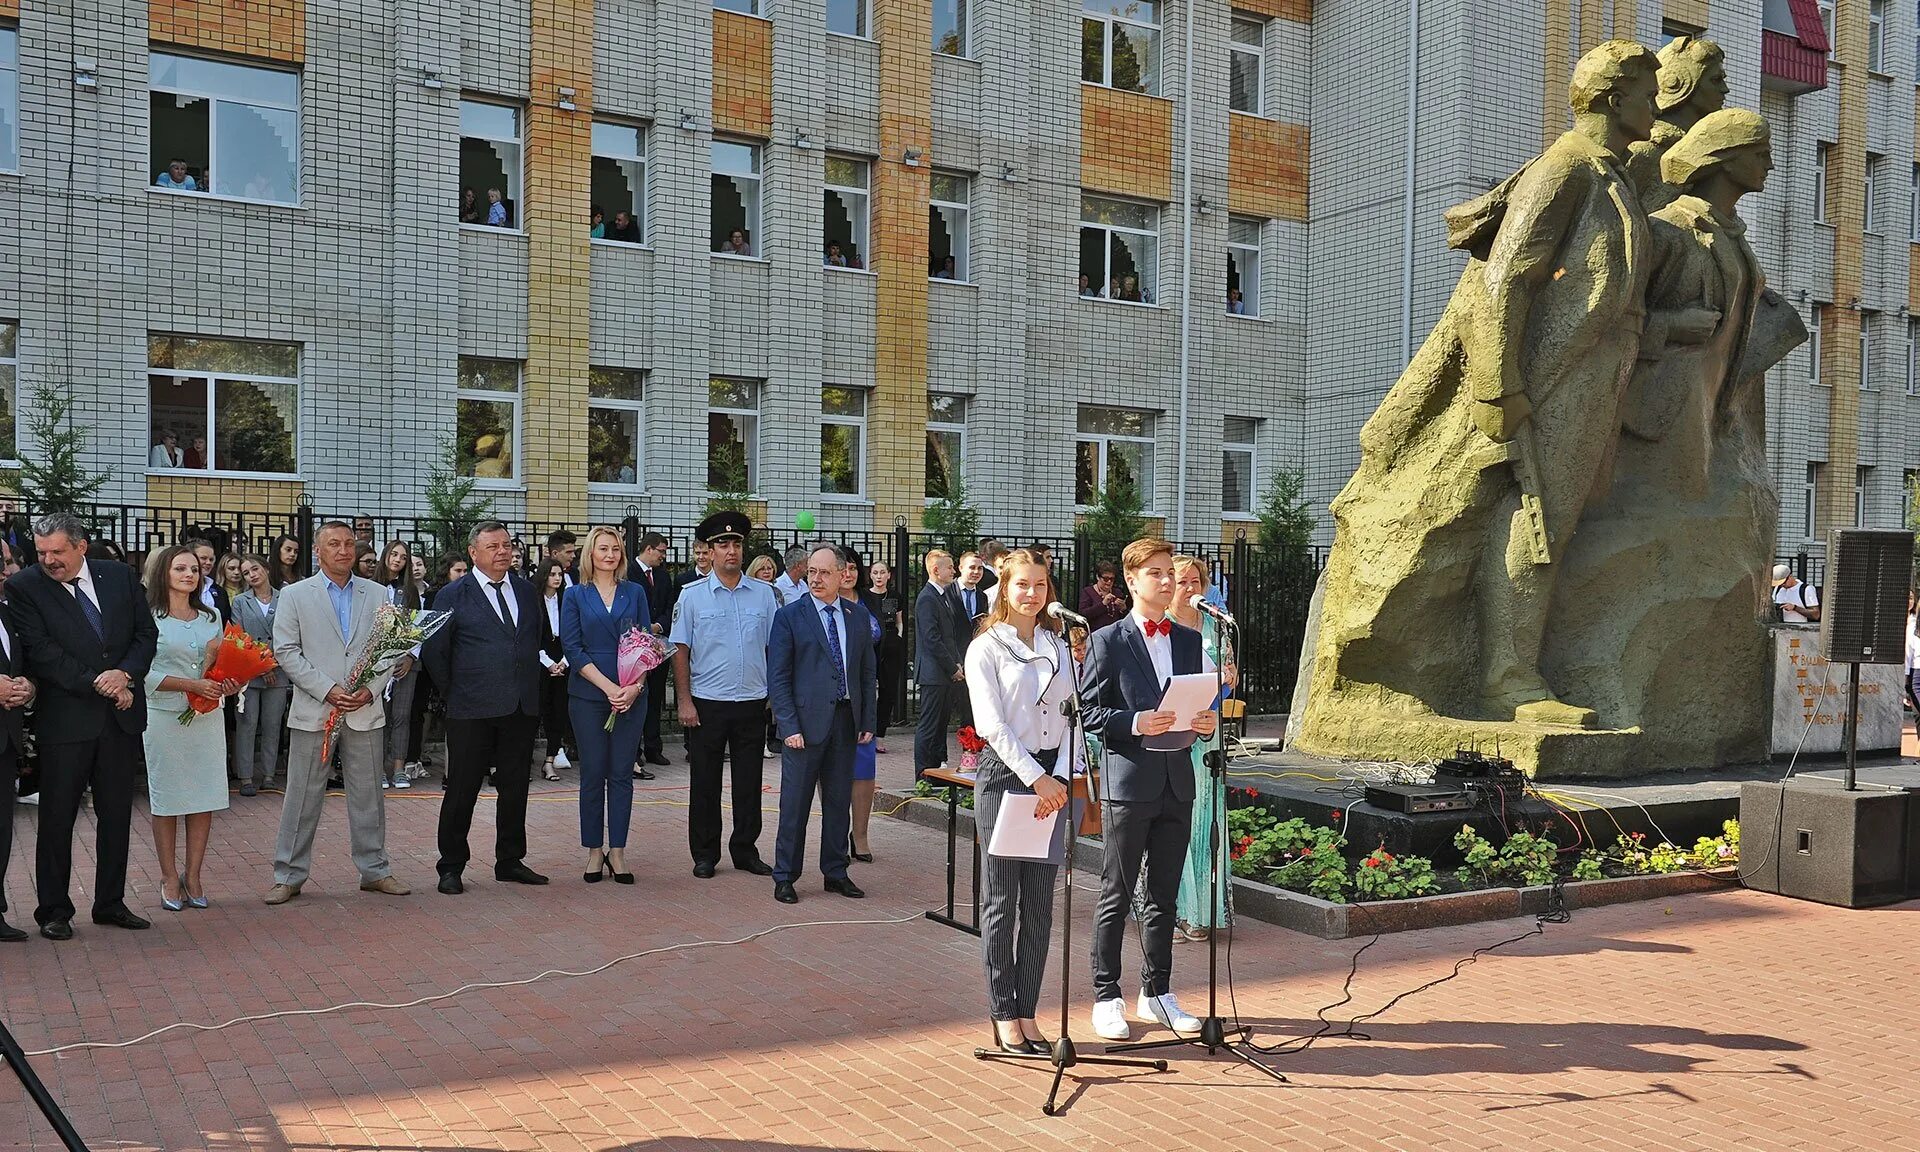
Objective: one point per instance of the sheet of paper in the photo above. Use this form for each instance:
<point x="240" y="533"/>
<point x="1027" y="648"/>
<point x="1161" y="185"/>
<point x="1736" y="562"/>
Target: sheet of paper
<point x="1187" y="695"/>
<point x="1017" y="834"/>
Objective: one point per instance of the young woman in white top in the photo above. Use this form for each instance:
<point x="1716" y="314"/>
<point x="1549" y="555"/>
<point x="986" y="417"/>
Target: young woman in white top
<point x="1913" y="655"/>
<point x="1018" y="678"/>
<point x="395" y="572"/>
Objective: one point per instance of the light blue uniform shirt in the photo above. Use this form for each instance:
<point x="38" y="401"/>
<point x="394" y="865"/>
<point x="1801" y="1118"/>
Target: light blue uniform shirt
<point x="342" y="605"/>
<point x="725" y="633"/>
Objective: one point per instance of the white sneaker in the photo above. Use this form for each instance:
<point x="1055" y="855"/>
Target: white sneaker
<point x="414" y="771"/>
<point x="1110" y="1020"/>
<point x="402" y="782"/>
<point x="1165" y="1011"/>
<point x="30" y="798"/>
<point x="385" y="784"/>
<point x="560" y="760"/>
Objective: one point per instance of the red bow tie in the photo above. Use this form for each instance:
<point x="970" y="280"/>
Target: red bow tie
<point x="1158" y="627"/>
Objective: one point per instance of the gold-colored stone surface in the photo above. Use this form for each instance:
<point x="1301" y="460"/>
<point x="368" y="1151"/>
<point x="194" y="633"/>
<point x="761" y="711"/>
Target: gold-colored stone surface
<point x="742" y="75"/>
<point x="1126" y="143"/>
<point x="1267" y="168"/>
<point x="262" y="29"/>
<point x="261" y="497"/>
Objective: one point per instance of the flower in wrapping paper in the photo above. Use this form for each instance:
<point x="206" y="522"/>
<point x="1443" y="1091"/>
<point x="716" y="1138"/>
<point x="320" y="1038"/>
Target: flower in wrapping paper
<point x="970" y="740"/>
<point x="239" y="658"/>
<point x="396" y="632"/>
<point x="640" y="653"/>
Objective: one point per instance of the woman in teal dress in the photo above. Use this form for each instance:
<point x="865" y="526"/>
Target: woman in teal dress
<point x="186" y="763"/>
<point x="1197" y="913"/>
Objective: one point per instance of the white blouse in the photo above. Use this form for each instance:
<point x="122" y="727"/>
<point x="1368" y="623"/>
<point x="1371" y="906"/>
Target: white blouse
<point x="1017" y="693"/>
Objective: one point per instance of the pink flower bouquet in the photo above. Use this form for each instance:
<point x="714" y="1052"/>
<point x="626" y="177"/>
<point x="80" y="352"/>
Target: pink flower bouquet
<point x="640" y="653"/>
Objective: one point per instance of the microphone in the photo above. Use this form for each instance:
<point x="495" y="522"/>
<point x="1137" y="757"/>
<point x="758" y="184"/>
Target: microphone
<point x="1067" y="615"/>
<point x="1199" y="604"/>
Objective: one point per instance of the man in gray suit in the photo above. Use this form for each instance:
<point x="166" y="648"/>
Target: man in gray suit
<point x="322" y="625"/>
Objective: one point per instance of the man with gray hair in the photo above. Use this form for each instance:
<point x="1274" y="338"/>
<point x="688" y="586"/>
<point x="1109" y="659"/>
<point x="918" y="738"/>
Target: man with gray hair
<point x="88" y="637"/>
<point x="792" y="584"/>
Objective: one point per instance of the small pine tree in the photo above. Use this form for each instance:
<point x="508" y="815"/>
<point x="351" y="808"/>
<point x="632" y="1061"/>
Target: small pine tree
<point x="454" y="504"/>
<point x="51" y="476"/>
<point x="1285" y="520"/>
<point x="952" y="518"/>
<point x="1116" y="518"/>
<point x="727" y="479"/>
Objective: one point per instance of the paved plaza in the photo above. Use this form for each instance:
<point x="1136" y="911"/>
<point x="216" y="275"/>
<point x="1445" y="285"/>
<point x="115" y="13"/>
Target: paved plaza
<point x="1724" y="1020"/>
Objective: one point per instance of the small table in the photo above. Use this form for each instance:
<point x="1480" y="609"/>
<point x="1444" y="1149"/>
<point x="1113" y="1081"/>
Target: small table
<point x="953" y="781"/>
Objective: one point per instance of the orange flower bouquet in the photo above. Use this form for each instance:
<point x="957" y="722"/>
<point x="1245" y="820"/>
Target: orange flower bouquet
<point x="239" y="658"/>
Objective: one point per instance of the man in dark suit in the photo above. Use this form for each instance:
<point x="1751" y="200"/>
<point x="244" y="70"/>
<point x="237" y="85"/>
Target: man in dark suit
<point x="824" y="686"/>
<point x="486" y="662"/>
<point x="1149" y="792"/>
<point x="89" y="639"/>
<point x="938" y="661"/>
<point x="16" y="692"/>
<point x="648" y="570"/>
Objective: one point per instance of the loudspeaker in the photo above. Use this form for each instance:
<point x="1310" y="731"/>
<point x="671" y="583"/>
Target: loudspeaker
<point x="1863" y="608"/>
<point x="1812" y="839"/>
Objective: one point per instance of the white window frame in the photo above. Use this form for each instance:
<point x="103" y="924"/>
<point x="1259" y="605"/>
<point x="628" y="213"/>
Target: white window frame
<point x="1107" y="19"/>
<point x="1913" y="356"/>
<point x="515" y="191"/>
<point x="1826" y="24"/>
<point x="516" y="398"/>
<point x="212" y="380"/>
<point x="962" y="32"/>
<point x="1910" y="492"/>
<point x="1249" y="449"/>
<point x="1256" y="52"/>
<point x="858" y="202"/>
<point x="862" y="20"/>
<point x="1820" y="152"/>
<point x="1877" y="35"/>
<point x="1815" y="334"/>
<point x="750" y="422"/>
<point x="10" y="361"/>
<point x="956" y="211"/>
<point x="949" y="428"/>
<point x="1103" y="441"/>
<point x="215" y="100"/>
<point x="757" y="178"/>
<point x="1862" y="485"/>
<point x="1247" y="258"/>
<point x="1148" y="287"/>
<point x="10" y="95"/>
<point x="620" y="404"/>
<point x="1867" y="318"/>
<point x="859" y="425"/>
<point x="1870" y="218"/>
<point x="643" y="198"/>
<point x="1913" y="206"/>
<point x="1810" y="501"/>
<point x="743" y="7"/>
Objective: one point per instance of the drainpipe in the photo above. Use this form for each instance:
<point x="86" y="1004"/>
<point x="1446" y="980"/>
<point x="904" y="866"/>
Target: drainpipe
<point x="1186" y="277"/>
<point x="1413" y="141"/>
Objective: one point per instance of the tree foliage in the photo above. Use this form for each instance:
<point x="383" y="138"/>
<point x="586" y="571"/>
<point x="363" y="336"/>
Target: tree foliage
<point x="1285" y="520"/>
<point x="52" y="477"/>
<point x="1116" y="518"/>
<point x="727" y="478"/>
<point x="454" y="504"/>
<point x="952" y="518"/>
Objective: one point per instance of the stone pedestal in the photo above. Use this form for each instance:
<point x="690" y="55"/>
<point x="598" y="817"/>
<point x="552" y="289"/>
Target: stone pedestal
<point x="1809" y="691"/>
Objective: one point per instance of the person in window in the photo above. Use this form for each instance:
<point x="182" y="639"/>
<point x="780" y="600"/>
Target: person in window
<point x="176" y="178"/>
<point x="599" y="221"/>
<point x="1086" y="286"/>
<point x="166" y="454"/>
<point x="497" y="214"/>
<point x="1130" y="289"/>
<point x="1236" y="306"/>
<point x="946" y="271"/>
<point x="625" y="228"/>
<point x="470" y="210"/>
<point x="196" y="454"/>
<point x="737" y="244"/>
<point x="835" y="258"/>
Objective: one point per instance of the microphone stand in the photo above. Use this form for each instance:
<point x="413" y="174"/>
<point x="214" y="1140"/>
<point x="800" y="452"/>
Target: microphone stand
<point x="1213" y="1036"/>
<point x="1065" y="1055"/>
<point x="14" y="1058"/>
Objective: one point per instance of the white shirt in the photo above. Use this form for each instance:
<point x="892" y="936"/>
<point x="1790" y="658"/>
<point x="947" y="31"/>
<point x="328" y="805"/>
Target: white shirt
<point x="840" y="624"/>
<point x="6" y="642"/>
<point x="553" y="622"/>
<point x="1791" y="600"/>
<point x="789" y="588"/>
<point x="506" y="591"/>
<point x="85" y="579"/>
<point x="164" y="457"/>
<point x="1913" y="643"/>
<point x="1016" y="693"/>
<point x="1160" y="651"/>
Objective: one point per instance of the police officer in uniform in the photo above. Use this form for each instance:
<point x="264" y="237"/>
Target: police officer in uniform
<point x="719" y="639"/>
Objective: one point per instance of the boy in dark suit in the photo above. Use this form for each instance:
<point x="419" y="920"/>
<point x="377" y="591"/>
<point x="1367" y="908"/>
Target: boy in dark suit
<point x="1149" y="793"/>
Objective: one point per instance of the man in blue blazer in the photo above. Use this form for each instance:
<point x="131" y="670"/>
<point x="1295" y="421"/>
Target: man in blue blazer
<point x="824" y="687"/>
<point x="1149" y="793"/>
<point x="486" y="661"/>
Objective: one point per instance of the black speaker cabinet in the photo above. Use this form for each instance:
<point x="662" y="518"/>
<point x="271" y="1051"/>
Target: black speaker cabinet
<point x="1863" y="608"/>
<point x="1812" y="839"/>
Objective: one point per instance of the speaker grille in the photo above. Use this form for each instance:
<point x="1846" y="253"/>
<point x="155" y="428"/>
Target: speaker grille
<point x="1863" y="608"/>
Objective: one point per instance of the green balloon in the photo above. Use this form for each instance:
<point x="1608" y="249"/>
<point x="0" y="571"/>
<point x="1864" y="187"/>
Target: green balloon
<point x="803" y="521"/>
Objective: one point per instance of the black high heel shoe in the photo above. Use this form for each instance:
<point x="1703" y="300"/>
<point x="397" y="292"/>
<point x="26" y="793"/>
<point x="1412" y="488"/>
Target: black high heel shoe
<point x="863" y="857"/>
<point x="1024" y="1048"/>
<point x="619" y="877"/>
<point x="600" y="873"/>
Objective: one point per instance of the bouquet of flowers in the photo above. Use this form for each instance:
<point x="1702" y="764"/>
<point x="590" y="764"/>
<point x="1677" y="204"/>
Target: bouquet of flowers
<point x="239" y="658"/>
<point x="971" y="744"/>
<point x="396" y="632"/>
<point x="640" y="653"/>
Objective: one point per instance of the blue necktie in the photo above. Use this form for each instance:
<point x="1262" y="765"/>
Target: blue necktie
<point x="89" y="609"/>
<point x="833" y="648"/>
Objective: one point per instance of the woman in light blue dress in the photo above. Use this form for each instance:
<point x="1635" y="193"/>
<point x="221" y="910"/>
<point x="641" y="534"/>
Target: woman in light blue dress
<point x="186" y="763"/>
<point x="1197" y="913"/>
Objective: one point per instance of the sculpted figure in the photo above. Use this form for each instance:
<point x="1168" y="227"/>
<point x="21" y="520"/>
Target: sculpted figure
<point x="1693" y="84"/>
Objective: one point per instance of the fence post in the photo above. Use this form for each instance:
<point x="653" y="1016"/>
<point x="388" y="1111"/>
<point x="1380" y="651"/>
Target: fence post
<point x="303" y="532"/>
<point x="1238" y="573"/>
<point x="631" y="528"/>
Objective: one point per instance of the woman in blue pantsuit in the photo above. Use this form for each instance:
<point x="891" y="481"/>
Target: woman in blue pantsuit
<point x="594" y="615"/>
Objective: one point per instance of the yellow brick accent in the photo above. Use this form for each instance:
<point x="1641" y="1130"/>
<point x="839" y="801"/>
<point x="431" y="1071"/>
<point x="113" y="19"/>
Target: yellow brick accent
<point x="1846" y="211"/>
<point x="262" y="29"/>
<point x="743" y="74"/>
<point x="1126" y="143"/>
<point x="1266" y="168"/>
<point x="10" y="9"/>
<point x="897" y="409"/>
<point x="553" y="413"/>
<point x="261" y="497"/>
<point x="1690" y="12"/>
<point x="1592" y="27"/>
<point x="1300" y="10"/>
<point x="1557" y="67"/>
<point x="1913" y="279"/>
<point x="1626" y="18"/>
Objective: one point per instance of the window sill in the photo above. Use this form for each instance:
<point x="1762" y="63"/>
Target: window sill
<point x="1128" y="91"/>
<point x="1255" y="317"/>
<point x="1878" y="75"/>
<point x="962" y="59"/>
<point x="505" y="484"/>
<point x="846" y="501"/>
<point x="490" y="230"/>
<point x="181" y="194"/>
<point x="221" y="474"/>
<point x="1239" y="518"/>
<point x="849" y="36"/>
<point x="627" y="244"/>
<point x="1823" y="223"/>
<point x="611" y="488"/>
<point x="848" y="271"/>
<point x="1250" y="115"/>
<point x="1117" y="303"/>
<point x="738" y="259"/>
<point x="748" y="15"/>
<point x="952" y="281"/>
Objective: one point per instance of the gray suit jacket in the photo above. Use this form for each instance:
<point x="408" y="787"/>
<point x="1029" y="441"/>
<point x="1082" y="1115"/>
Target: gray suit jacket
<point x="255" y="621"/>
<point x="306" y="641"/>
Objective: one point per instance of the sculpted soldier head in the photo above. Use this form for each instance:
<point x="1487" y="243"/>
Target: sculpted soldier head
<point x="1732" y="140"/>
<point x="1617" y="80"/>
<point x="1693" y="79"/>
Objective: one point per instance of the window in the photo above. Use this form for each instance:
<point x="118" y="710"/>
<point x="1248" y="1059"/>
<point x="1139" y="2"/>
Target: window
<point x="616" y="422"/>
<point x="1237" y="484"/>
<point x="1867" y="321"/>
<point x="1913" y="205"/>
<point x="9" y="388"/>
<point x="1870" y="219"/>
<point x="620" y="182"/>
<point x="1820" y="182"/>
<point x="1910" y="486"/>
<point x="844" y="217"/>
<point x="486" y="425"/>
<point x="9" y="103"/>
<point x="950" y="27"/>
<point x="1913" y="357"/>
<point x="1113" y="446"/>
<point x="947" y="227"/>
<point x="1817" y="336"/>
<point x="1809" y="502"/>
<point x="1248" y="48"/>
<point x="1243" y="266"/>
<point x="489" y="165"/>
<point x="736" y="198"/>
<point x="946" y="444"/>
<point x="231" y="129"/>
<point x="1120" y="44"/>
<point x="1826" y="25"/>
<point x="843" y="430"/>
<point x="747" y="7"/>
<point x="1862" y="484"/>
<point x="1877" y="36"/>
<point x="1119" y="249"/>
<point x="847" y="17"/>
<point x="222" y="405"/>
<point x="733" y="435"/>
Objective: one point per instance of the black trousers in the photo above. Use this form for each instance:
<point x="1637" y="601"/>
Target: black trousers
<point x="735" y="727"/>
<point x="66" y="770"/>
<point x="9" y="769"/>
<point x="656" y="694"/>
<point x="892" y="662"/>
<point x="930" y="739"/>
<point x="1156" y="832"/>
<point x="554" y="719"/>
<point x="502" y="745"/>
